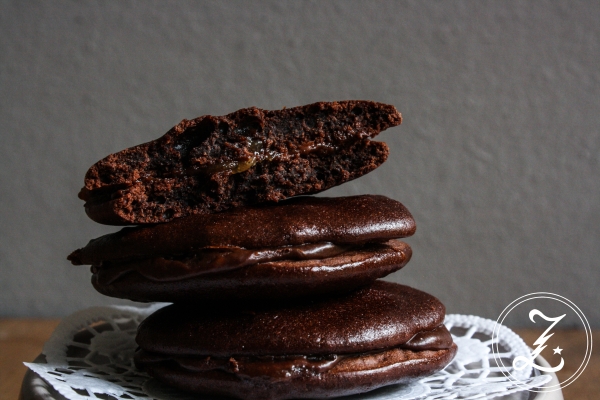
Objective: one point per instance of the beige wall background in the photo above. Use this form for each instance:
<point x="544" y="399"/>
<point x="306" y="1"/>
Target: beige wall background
<point x="498" y="158"/>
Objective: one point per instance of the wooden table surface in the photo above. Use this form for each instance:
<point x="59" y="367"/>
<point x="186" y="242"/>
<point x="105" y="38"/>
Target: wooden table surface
<point x="22" y="340"/>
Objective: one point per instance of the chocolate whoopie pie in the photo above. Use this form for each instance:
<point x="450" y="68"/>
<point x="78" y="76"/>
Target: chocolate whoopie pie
<point x="304" y="246"/>
<point x="251" y="156"/>
<point x="380" y="335"/>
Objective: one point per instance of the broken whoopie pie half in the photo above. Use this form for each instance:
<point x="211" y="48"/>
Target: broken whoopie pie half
<point x="251" y="156"/>
<point x="299" y="247"/>
<point x="380" y="335"/>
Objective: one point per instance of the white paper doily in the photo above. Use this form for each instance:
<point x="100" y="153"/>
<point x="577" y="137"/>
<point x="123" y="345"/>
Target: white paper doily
<point x="89" y="356"/>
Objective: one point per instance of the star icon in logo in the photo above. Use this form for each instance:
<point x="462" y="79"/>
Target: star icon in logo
<point x="557" y="350"/>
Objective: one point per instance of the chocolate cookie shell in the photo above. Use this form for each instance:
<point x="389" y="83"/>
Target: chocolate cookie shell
<point x="342" y="220"/>
<point x="251" y="156"/>
<point x="380" y="335"/>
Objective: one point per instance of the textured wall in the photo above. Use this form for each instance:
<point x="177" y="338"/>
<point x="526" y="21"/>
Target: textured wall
<point x="498" y="157"/>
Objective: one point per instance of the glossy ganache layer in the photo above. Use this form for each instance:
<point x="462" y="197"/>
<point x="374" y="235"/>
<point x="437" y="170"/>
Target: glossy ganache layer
<point x="351" y="375"/>
<point x="283" y="367"/>
<point x="211" y="260"/>
<point x="240" y="274"/>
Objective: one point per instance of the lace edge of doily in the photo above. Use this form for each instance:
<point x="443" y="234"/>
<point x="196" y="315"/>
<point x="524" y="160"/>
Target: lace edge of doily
<point x="81" y="320"/>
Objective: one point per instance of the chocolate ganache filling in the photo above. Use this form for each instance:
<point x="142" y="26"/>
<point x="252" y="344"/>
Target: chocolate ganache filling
<point x="283" y="367"/>
<point x="212" y="260"/>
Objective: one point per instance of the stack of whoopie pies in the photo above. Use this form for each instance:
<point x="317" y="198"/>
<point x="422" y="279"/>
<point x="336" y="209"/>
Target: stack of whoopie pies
<point x="275" y="296"/>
